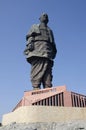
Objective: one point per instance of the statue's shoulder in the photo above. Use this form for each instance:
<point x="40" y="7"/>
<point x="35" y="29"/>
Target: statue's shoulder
<point x="49" y="29"/>
<point x="34" y="28"/>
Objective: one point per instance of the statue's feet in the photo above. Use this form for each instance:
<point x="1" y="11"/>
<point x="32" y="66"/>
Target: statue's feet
<point x="36" y="88"/>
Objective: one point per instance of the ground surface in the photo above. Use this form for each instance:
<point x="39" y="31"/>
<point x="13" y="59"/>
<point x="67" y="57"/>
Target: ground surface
<point x="75" y="125"/>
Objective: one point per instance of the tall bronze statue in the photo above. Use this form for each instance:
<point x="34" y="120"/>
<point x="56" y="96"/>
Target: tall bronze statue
<point x="40" y="52"/>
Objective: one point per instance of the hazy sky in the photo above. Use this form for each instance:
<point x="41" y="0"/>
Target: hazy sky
<point x="68" y="22"/>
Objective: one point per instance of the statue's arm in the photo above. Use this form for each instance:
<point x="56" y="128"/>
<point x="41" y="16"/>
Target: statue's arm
<point x="53" y="46"/>
<point x="30" y="41"/>
<point x="34" y="31"/>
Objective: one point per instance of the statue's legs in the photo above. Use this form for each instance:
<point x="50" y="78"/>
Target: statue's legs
<point x="47" y="77"/>
<point x="41" y="72"/>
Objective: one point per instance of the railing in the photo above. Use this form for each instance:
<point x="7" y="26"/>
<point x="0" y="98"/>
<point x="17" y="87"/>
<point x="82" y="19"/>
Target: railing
<point x="78" y="100"/>
<point x="55" y="100"/>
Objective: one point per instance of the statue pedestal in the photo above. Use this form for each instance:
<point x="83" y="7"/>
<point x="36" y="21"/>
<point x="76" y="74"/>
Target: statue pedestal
<point x="55" y="96"/>
<point x="34" y="114"/>
<point x="48" y="105"/>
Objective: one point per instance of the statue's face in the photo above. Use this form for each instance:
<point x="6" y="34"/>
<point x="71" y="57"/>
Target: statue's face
<point x="44" y="18"/>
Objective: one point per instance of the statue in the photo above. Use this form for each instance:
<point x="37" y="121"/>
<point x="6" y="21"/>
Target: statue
<point x="40" y="52"/>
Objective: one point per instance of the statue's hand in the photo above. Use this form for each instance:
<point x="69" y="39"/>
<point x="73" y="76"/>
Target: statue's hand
<point x="26" y="51"/>
<point x="31" y="46"/>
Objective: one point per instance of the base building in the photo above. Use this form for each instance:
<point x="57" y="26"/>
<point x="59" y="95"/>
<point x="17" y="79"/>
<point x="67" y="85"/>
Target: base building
<point x="55" y="104"/>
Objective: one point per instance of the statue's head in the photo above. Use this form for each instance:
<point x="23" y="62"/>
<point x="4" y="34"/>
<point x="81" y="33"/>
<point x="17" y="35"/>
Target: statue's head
<point x="44" y="18"/>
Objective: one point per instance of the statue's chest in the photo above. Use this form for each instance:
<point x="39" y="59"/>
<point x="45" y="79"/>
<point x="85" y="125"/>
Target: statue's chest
<point x="44" y="31"/>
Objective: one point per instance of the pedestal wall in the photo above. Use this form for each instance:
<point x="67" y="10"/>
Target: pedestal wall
<point x="33" y="114"/>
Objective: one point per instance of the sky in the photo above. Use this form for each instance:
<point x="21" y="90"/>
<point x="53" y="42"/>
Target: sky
<point x="67" y="19"/>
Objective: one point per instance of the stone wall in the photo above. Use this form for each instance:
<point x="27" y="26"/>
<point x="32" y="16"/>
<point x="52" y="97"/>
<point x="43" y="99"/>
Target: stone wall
<point x="34" y="114"/>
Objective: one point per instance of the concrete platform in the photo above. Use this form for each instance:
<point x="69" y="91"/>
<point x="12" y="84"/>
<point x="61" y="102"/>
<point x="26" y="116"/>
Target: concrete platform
<point x="33" y="114"/>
